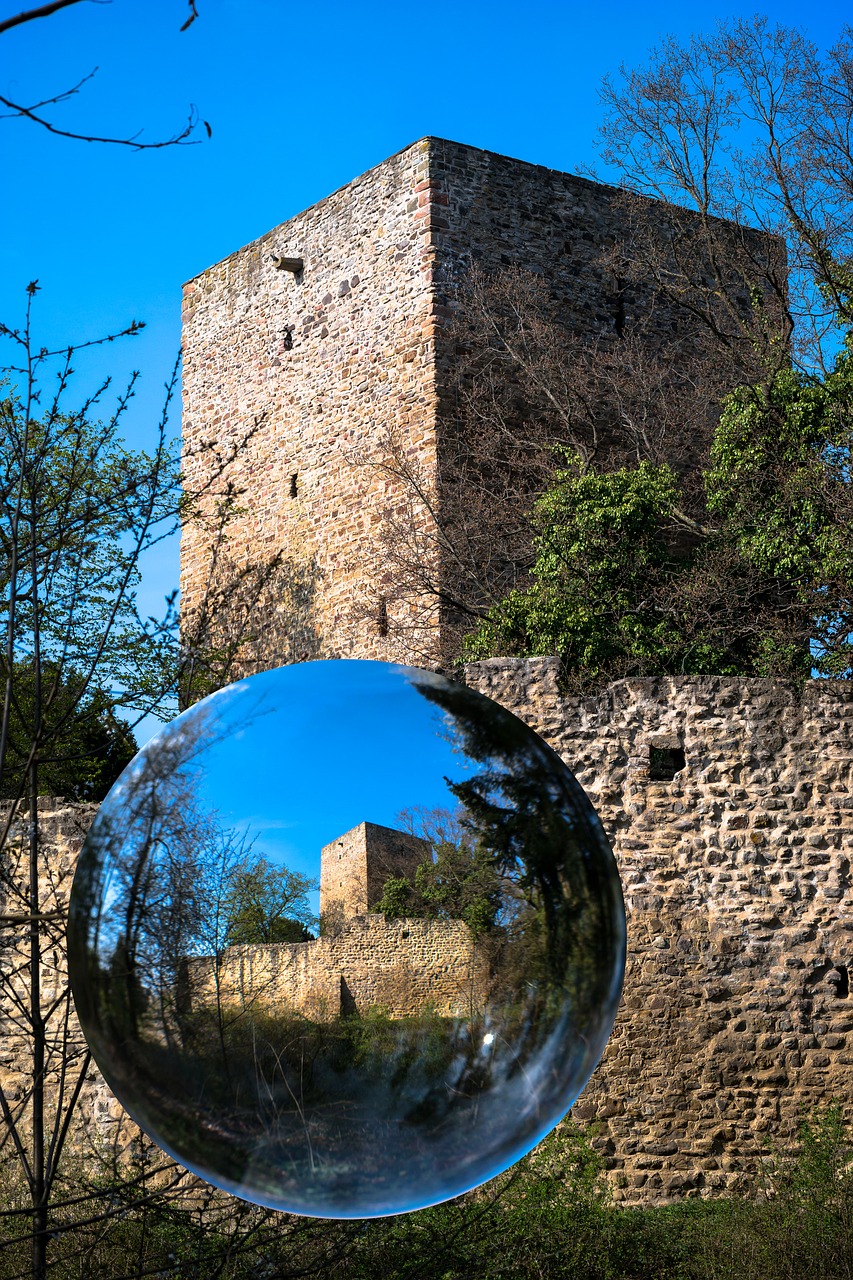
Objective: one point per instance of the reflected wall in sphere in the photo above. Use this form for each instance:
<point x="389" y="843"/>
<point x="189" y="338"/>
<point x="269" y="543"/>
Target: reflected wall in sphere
<point x="347" y="938"/>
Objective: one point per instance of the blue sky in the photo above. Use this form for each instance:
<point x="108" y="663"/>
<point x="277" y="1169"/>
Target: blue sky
<point x="300" y="99"/>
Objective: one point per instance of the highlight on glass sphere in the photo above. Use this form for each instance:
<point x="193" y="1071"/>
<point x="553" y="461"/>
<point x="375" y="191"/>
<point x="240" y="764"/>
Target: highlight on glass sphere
<point x="346" y="939"/>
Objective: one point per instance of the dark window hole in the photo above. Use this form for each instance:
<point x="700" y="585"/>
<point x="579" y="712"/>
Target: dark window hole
<point x="382" y="618"/>
<point x="293" y="484"/>
<point x="619" y="306"/>
<point x="665" y="763"/>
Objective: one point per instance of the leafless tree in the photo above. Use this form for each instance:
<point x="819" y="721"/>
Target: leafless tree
<point x="751" y="125"/>
<point x="78" y="509"/>
<point x="522" y="392"/>
<point x="738" y="175"/>
<point x="250" y="614"/>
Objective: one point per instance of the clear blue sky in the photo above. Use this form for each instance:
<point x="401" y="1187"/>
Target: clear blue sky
<point x="301" y="99"/>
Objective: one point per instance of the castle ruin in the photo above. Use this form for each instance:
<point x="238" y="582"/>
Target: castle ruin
<point x="361" y="961"/>
<point x="728" y="802"/>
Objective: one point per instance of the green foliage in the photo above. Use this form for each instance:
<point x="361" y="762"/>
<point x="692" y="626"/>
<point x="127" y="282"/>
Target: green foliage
<point x="398" y="899"/>
<point x="460" y="882"/>
<point x="779" y="482"/>
<point x="601" y="556"/>
<point x="264" y="903"/>
<point x="84" y="505"/>
<point x="550" y="1215"/>
<point x="625" y="583"/>
<point x="88" y="745"/>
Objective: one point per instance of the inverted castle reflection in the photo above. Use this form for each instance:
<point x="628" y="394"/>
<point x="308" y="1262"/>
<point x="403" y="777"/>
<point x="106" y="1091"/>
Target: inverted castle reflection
<point x="463" y="978"/>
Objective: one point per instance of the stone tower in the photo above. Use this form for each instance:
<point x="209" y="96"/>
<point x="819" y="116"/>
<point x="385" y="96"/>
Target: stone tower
<point x="355" y="866"/>
<point x="329" y="333"/>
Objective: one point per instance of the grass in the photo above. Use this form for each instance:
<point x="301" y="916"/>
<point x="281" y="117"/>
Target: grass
<point x="550" y="1217"/>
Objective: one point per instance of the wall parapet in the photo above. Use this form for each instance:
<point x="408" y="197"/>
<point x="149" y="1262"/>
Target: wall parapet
<point x="402" y="966"/>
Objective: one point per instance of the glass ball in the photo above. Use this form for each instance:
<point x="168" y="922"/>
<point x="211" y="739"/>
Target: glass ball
<point x="346" y="939"/>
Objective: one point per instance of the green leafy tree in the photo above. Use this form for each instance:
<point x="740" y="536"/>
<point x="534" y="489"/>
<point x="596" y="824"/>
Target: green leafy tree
<point x="462" y="882"/>
<point x="266" y="903"/>
<point x="459" y="882"/>
<point x="531" y="820"/>
<point x="90" y="747"/>
<point x="761" y="587"/>
<point x="601" y="558"/>
<point x="779" y="485"/>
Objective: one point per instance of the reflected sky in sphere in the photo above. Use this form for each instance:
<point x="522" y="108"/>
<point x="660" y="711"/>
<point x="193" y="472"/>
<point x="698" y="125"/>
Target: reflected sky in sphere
<point x="385" y="750"/>
<point x="346" y="939"/>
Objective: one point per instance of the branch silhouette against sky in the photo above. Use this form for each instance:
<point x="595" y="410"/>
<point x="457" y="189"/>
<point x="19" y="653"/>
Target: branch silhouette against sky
<point x="35" y="111"/>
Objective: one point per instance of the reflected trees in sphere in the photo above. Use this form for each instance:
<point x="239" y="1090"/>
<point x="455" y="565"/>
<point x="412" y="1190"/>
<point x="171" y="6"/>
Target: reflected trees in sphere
<point x="346" y="939"/>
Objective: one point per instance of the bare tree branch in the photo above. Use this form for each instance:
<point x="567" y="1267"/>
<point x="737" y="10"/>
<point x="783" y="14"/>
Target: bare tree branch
<point x="34" y="111"/>
<point x="30" y="15"/>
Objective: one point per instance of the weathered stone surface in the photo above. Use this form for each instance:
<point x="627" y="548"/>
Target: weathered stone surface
<point x="736" y="1019"/>
<point x="350" y="354"/>
<point x="62" y="830"/>
<point x="355" y="866"/>
<point x="402" y="966"/>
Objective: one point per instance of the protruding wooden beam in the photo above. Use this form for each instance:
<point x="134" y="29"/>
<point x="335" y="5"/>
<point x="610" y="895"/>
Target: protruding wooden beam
<point x="287" y="264"/>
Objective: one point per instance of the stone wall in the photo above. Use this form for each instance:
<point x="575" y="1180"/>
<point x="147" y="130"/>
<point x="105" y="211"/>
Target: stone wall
<point x="344" y="361"/>
<point x="405" y="966"/>
<point x="62" y="830"/>
<point x="329" y="361"/>
<point x="737" y="1016"/>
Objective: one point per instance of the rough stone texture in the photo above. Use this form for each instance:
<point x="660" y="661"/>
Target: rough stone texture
<point x="360" y="363"/>
<point x="355" y="866"/>
<point x="337" y="360"/>
<point x="404" y="966"/>
<point x="737" y="1017"/>
<point x="62" y="830"/>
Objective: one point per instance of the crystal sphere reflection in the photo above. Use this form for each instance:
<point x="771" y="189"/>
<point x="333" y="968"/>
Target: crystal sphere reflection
<point x="346" y="939"/>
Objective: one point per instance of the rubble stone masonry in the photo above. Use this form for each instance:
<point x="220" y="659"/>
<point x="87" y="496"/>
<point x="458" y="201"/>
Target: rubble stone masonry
<point x="343" y="361"/>
<point x="737" y="1016"/>
<point x="402" y="966"/>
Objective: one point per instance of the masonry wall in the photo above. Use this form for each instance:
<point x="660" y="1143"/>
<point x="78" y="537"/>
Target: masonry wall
<point x="62" y="830"/>
<point x="737" y="1015"/>
<point x="346" y="361"/>
<point x="360" y="369"/>
<point x="406" y="966"/>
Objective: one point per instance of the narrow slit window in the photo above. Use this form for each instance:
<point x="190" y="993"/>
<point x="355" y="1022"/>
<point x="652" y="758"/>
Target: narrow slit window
<point x="665" y="763"/>
<point x="618" y="301"/>
<point x="293" y="485"/>
<point x="382" y="617"/>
